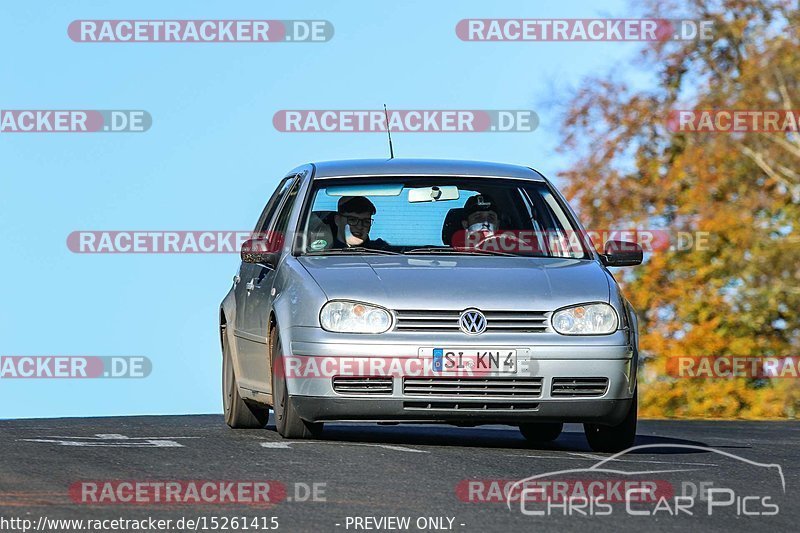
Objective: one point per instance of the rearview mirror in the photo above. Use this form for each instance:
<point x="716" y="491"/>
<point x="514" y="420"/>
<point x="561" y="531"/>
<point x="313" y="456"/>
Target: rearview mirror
<point x="433" y="194"/>
<point x="258" y="251"/>
<point x="621" y="253"/>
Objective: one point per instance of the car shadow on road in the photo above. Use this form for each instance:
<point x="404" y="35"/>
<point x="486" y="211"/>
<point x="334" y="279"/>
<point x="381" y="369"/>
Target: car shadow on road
<point x="486" y="437"/>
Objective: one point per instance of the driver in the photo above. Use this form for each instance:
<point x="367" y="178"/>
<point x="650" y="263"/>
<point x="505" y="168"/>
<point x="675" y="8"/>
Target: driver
<point x="480" y="214"/>
<point x="482" y="229"/>
<point x="353" y="221"/>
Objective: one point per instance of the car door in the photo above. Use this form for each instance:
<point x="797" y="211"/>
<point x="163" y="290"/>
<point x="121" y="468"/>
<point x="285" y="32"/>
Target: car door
<point x="257" y="298"/>
<point x="246" y="340"/>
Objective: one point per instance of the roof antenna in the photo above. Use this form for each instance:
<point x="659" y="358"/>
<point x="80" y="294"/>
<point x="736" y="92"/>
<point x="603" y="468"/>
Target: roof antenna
<point x="389" y="131"/>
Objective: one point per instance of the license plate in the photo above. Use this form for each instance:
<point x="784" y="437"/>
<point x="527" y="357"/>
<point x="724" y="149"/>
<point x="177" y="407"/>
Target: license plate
<point x="456" y="360"/>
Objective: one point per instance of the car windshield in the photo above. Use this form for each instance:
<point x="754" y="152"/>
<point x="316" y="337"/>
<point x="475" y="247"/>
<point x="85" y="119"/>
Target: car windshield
<point x="438" y="215"/>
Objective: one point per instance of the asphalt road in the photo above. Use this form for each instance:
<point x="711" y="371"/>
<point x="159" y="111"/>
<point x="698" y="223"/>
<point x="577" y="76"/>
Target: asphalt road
<point x="437" y="477"/>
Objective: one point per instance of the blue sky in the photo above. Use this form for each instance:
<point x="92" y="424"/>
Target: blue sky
<point x="212" y="157"/>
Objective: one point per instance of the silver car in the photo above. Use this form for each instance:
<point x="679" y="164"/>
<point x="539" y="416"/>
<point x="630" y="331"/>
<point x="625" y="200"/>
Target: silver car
<point x="428" y="291"/>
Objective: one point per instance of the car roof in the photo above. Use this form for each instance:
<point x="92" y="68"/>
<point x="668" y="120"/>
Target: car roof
<point x="421" y="167"/>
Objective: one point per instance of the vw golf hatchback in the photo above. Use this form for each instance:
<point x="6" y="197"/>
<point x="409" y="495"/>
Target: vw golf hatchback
<point x="428" y="291"/>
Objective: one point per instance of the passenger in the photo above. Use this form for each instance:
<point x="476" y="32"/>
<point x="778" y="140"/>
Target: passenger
<point x="353" y="221"/>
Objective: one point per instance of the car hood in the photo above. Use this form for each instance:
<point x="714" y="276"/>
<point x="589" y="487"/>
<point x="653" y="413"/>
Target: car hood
<point x="459" y="282"/>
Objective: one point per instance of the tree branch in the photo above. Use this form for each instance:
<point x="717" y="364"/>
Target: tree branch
<point x="758" y="159"/>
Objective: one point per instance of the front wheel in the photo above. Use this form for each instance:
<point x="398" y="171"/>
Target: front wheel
<point x="614" y="438"/>
<point x="287" y="421"/>
<point x="238" y="414"/>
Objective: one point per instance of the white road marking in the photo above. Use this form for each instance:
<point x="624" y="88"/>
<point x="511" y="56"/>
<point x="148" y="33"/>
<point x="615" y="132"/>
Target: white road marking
<point x="111" y="436"/>
<point x="112" y="440"/>
<point x="276" y="445"/>
<point x="281" y="445"/>
<point x="592" y="457"/>
<point x="600" y="458"/>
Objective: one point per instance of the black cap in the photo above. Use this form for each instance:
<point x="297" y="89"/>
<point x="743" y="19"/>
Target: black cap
<point x="355" y="204"/>
<point x="479" y="202"/>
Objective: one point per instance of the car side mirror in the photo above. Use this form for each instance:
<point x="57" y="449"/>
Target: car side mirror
<point x="260" y="251"/>
<point x="621" y="253"/>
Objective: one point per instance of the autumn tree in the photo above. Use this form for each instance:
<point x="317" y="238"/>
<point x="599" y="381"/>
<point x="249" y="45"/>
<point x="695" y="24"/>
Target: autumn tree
<point x="740" y="293"/>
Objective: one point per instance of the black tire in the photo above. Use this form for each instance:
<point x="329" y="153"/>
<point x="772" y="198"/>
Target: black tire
<point x="287" y="422"/>
<point x="614" y="438"/>
<point x="541" y="432"/>
<point x="238" y="413"/>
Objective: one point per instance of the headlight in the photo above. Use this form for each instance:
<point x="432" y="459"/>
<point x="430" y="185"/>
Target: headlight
<point x="354" y="317"/>
<point x="589" y="319"/>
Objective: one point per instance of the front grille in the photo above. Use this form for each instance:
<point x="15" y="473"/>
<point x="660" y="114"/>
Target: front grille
<point x="463" y="406"/>
<point x="362" y="385"/>
<point x="470" y="387"/>
<point x="579" y="387"/>
<point x="496" y="321"/>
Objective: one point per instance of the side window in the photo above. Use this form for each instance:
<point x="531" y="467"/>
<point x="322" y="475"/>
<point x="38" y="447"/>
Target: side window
<point x="562" y="240"/>
<point x="282" y="218"/>
<point x="272" y="204"/>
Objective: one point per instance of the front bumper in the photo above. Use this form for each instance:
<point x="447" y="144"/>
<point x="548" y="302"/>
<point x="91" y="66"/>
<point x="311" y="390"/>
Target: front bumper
<point x="322" y="408"/>
<point x="539" y="356"/>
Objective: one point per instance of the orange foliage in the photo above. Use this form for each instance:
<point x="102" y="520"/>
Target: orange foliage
<point x="740" y="294"/>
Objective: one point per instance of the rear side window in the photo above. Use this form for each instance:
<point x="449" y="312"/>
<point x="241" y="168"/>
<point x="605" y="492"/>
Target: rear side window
<point x="272" y="204"/>
<point x="282" y="221"/>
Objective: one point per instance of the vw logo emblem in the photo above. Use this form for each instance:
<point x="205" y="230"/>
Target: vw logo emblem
<point x="472" y="322"/>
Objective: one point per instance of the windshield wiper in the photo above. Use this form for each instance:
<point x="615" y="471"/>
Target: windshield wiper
<point x="454" y="251"/>
<point x="352" y="250"/>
